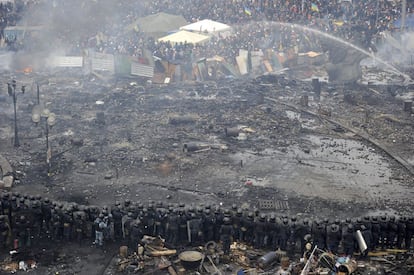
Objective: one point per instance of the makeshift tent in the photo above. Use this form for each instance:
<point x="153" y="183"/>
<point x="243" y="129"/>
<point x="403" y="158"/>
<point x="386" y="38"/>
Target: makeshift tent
<point x="157" y="24"/>
<point x="206" y="25"/>
<point x="184" y="36"/>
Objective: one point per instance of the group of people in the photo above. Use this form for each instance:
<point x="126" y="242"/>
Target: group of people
<point x="26" y="220"/>
<point x="370" y="17"/>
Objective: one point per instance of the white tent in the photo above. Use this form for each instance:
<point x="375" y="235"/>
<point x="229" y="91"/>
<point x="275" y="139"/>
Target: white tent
<point x="184" y="36"/>
<point x="206" y="25"/>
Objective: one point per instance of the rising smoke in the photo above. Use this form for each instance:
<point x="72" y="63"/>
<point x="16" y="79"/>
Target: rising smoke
<point x="66" y="27"/>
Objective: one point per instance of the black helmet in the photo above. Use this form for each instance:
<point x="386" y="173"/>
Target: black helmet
<point x="239" y="212"/>
<point x="262" y="217"/>
<point x="337" y="222"/>
<point x="101" y="216"/>
<point x="234" y="206"/>
<point x="226" y="220"/>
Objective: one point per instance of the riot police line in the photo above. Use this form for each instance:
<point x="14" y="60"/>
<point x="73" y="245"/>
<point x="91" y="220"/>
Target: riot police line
<point x="25" y="220"/>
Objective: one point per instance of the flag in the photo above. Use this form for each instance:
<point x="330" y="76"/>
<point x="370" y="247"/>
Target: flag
<point x="314" y="7"/>
<point x="247" y="11"/>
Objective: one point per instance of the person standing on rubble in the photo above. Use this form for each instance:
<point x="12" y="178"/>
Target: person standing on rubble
<point x="56" y="224"/>
<point x="409" y="232"/>
<point x="67" y="224"/>
<point x="136" y="234"/>
<point x="333" y="238"/>
<point x="319" y="235"/>
<point x="226" y="235"/>
<point x="259" y="231"/>
<point x="392" y="232"/>
<point x="46" y="209"/>
<point x="4" y="231"/>
<point x="367" y="235"/>
<point x="194" y="225"/>
<point x="117" y="217"/>
<point x="284" y="232"/>
<point x="218" y="216"/>
<point x="348" y="240"/>
<point x="208" y="226"/>
<point x="376" y="231"/>
<point x="79" y="220"/>
<point x="22" y="232"/>
<point x="100" y="226"/>
<point x="401" y="231"/>
<point x="273" y="229"/>
<point x="384" y="231"/>
<point x="172" y="227"/>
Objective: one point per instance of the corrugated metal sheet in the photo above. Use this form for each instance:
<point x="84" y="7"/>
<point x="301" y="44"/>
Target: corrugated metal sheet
<point x="142" y="70"/>
<point x="67" y="61"/>
<point x="103" y="64"/>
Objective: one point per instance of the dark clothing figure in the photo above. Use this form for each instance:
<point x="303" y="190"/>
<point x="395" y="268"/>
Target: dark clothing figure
<point x="208" y="226"/>
<point x="319" y="236"/>
<point x="259" y="233"/>
<point x="348" y="241"/>
<point x="284" y="232"/>
<point x="195" y="230"/>
<point x="409" y="232"/>
<point x="401" y="232"/>
<point x="22" y="233"/>
<point x="172" y="228"/>
<point x="376" y="231"/>
<point x="4" y="231"/>
<point x="226" y="236"/>
<point x="333" y="238"/>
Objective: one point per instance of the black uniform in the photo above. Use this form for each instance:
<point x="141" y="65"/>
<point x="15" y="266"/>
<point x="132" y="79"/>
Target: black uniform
<point x="226" y="235"/>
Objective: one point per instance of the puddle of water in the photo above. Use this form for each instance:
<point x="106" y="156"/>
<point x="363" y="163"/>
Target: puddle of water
<point x="341" y="169"/>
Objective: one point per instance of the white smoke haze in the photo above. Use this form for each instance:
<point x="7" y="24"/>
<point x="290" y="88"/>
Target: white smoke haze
<point x="397" y="48"/>
<point x="65" y="27"/>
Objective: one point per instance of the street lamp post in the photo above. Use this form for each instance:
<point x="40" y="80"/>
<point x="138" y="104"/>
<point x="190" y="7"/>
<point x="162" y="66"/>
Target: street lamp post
<point x="11" y="90"/>
<point x="39" y="113"/>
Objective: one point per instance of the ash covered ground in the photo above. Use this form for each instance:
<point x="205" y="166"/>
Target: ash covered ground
<point x="130" y="145"/>
<point x="117" y="140"/>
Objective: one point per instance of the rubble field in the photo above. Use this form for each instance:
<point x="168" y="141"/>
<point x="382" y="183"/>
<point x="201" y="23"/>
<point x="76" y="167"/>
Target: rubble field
<point x="253" y="142"/>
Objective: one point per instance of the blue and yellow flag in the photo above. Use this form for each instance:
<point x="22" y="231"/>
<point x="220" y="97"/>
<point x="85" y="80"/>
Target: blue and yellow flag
<point x="247" y="11"/>
<point x="314" y="7"/>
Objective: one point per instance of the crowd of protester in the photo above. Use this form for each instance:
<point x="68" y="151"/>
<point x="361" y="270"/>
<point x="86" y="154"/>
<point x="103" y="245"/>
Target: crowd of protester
<point x="341" y="18"/>
<point x="26" y="220"/>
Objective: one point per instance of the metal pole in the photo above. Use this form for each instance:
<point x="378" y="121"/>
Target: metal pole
<point x="403" y="14"/>
<point x="47" y="148"/>
<point x="16" y="136"/>
<point x="38" y="94"/>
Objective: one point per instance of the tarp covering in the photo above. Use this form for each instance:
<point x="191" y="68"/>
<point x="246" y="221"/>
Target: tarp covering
<point x="158" y="23"/>
<point x="206" y="25"/>
<point x="184" y="36"/>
